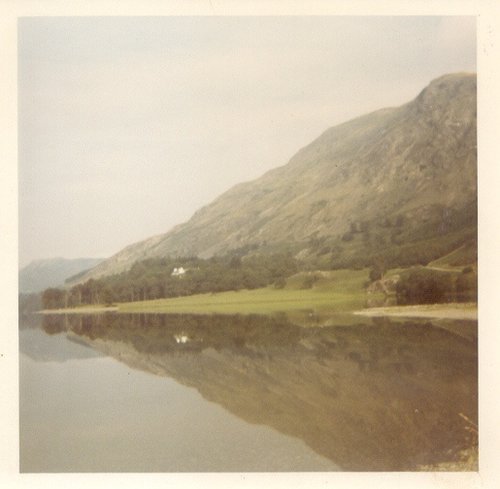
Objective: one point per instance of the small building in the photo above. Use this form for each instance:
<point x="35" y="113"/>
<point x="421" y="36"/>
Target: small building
<point x="181" y="338"/>
<point x="177" y="272"/>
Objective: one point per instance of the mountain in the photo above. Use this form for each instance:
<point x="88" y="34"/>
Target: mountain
<point x="52" y="272"/>
<point x="399" y="183"/>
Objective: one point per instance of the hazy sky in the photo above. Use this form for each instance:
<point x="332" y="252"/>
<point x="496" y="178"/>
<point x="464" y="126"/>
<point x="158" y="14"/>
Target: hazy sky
<point x="128" y="125"/>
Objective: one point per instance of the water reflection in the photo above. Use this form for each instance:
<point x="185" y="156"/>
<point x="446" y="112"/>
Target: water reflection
<point x="35" y="343"/>
<point x="378" y="395"/>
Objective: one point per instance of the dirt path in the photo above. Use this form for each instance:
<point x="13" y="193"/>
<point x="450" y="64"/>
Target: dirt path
<point x="444" y="269"/>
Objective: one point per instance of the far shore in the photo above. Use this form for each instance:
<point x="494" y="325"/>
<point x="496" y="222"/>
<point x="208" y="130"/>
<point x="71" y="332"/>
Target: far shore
<point x="437" y="311"/>
<point x="80" y="310"/>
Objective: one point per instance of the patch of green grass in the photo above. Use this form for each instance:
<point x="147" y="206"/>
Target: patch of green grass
<point x="340" y="289"/>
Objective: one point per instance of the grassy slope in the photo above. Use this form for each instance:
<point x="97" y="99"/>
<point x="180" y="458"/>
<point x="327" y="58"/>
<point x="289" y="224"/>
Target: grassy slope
<point x="341" y="289"/>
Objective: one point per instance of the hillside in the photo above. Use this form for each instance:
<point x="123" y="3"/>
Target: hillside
<point x="399" y="183"/>
<point x="52" y="272"/>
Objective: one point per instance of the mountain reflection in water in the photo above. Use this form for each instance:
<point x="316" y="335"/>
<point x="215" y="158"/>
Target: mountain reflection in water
<point x="379" y="395"/>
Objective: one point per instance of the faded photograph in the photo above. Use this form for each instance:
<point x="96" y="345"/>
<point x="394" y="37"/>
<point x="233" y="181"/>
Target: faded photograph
<point x="248" y="244"/>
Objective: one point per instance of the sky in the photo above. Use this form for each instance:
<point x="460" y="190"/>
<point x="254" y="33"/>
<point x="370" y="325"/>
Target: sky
<point x="128" y="125"/>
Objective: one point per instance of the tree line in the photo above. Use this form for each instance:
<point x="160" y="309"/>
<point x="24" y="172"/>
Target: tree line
<point x="153" y="279"/>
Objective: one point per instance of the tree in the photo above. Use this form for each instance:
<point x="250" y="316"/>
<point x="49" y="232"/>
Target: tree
<point x="377" y="270"/>
<point x="108" y="296"/>
<point x="53" y="298"/>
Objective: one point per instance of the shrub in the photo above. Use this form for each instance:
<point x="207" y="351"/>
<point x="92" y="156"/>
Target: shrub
<point x="280" y="283"/>
<point x="424" y="287"/>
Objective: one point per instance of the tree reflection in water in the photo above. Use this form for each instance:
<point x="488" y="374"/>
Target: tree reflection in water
<point x="379" y="395"/>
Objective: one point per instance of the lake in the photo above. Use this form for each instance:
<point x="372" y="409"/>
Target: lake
<point x="234" y="393"/>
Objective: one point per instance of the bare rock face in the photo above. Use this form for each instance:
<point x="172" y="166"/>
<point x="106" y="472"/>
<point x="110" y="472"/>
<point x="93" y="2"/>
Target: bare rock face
<point x="413" y="167"/>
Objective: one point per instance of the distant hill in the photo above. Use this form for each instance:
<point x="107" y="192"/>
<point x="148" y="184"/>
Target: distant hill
<point x="52" y="272"/>
<point x="398" y="184"/>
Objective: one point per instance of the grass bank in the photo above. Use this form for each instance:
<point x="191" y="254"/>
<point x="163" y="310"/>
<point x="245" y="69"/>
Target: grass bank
<point x="336" y="290"/>
<point x="339" y="289"/>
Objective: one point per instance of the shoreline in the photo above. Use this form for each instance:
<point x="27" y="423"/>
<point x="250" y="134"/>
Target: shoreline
<point x="437" y="311"/>
<point x="79" y="310"/>
<point x="465" y="311"/>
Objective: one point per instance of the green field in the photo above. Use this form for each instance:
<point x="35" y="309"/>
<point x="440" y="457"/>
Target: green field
<point x="341" y="290"/>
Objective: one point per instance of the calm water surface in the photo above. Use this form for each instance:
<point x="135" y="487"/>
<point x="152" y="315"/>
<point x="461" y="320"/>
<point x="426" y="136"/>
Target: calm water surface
<point x="302" y="392"/>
